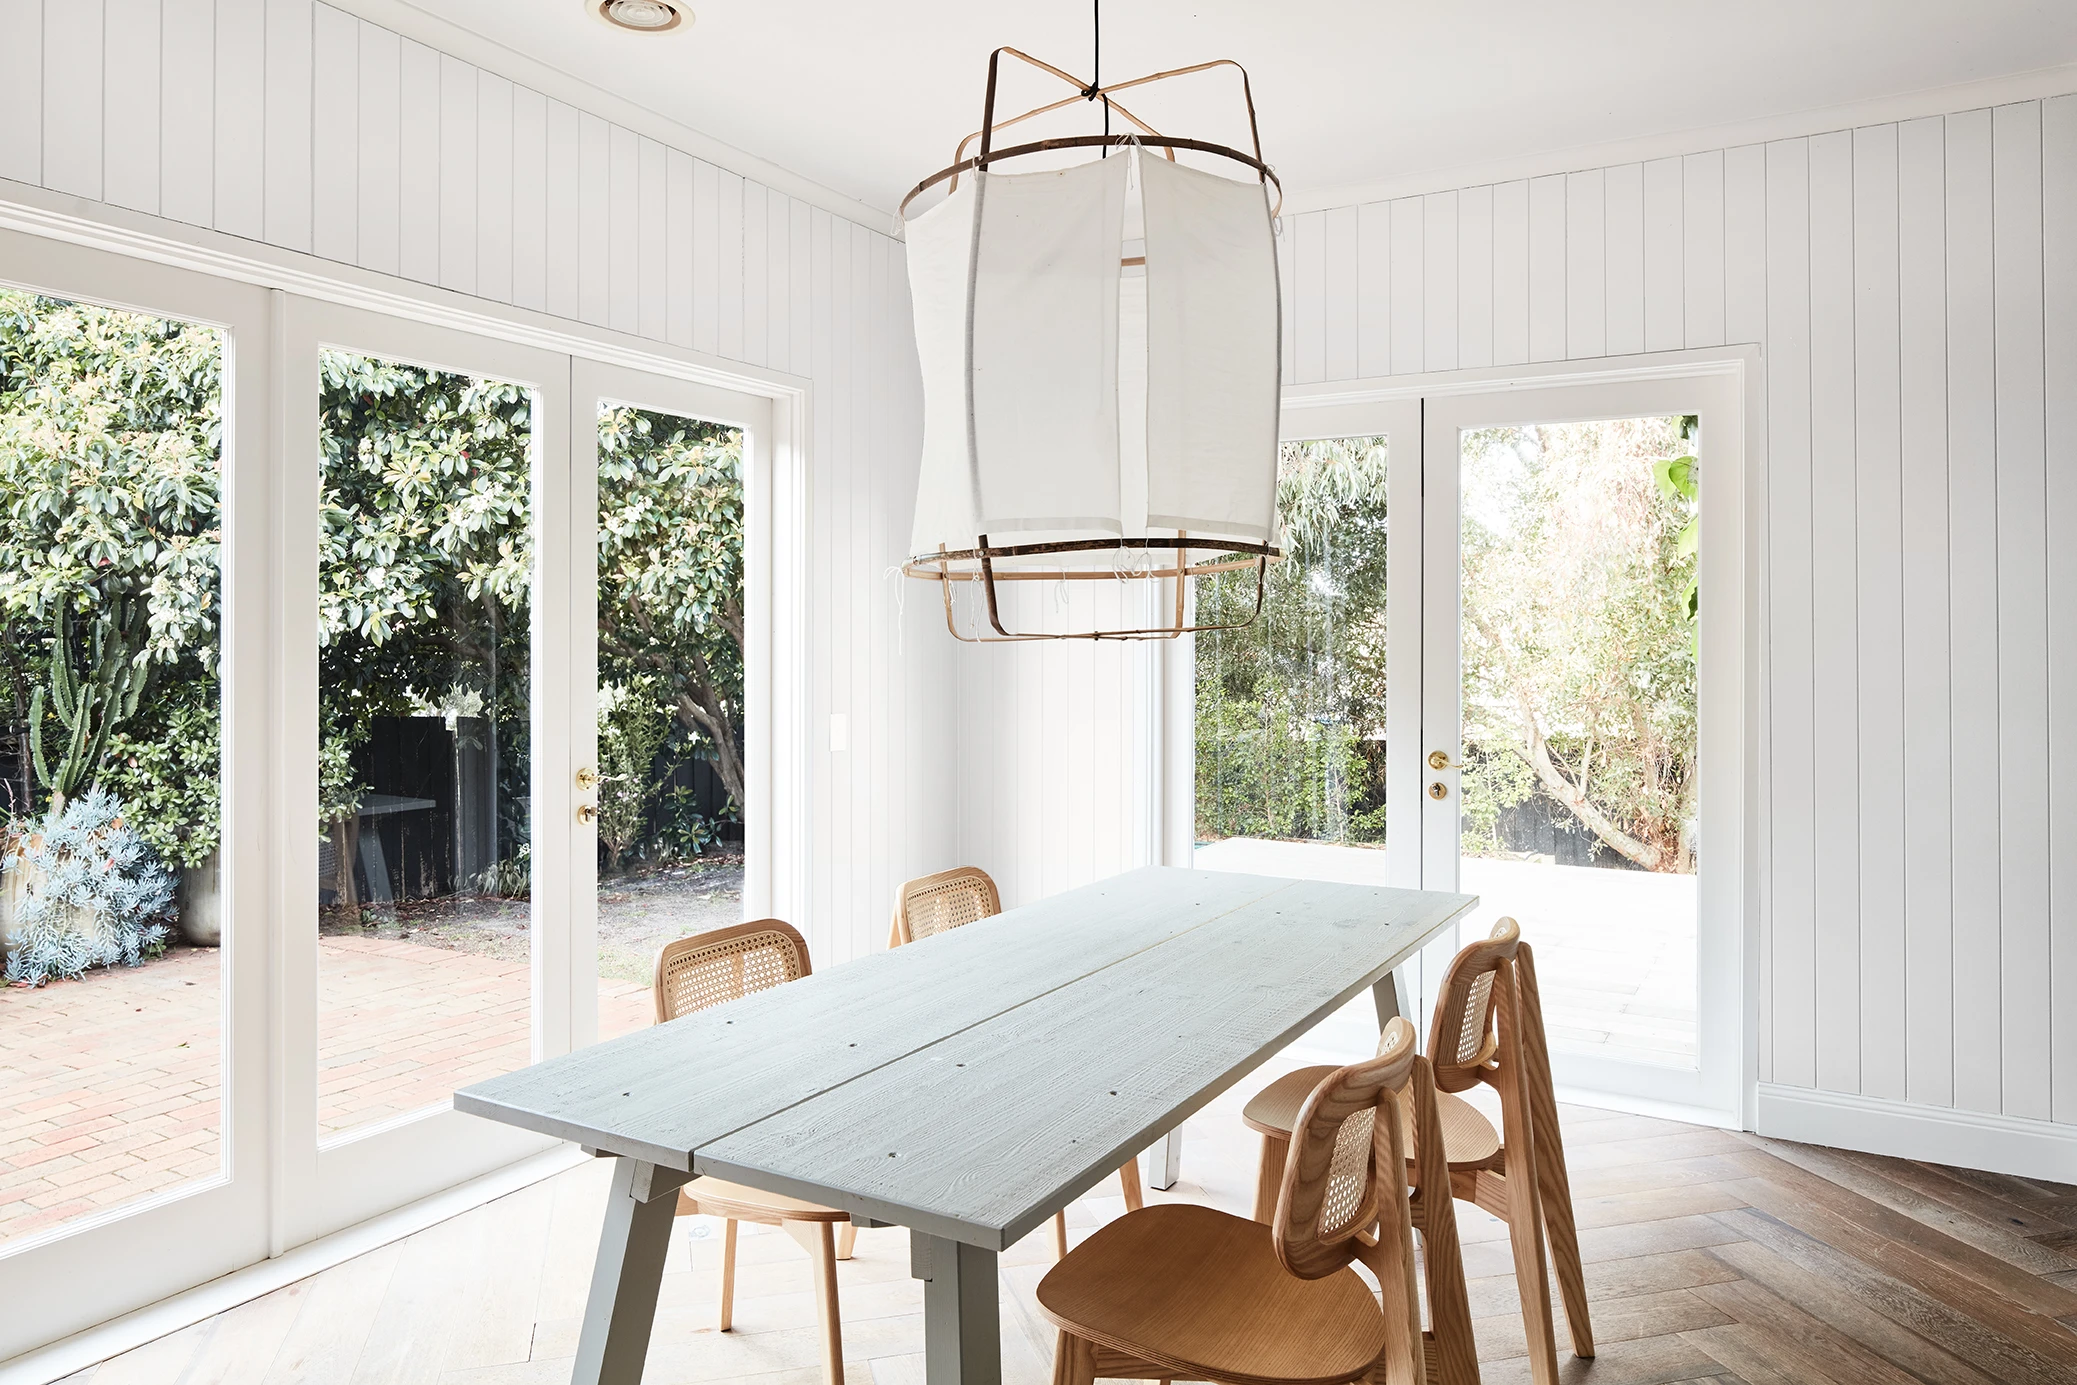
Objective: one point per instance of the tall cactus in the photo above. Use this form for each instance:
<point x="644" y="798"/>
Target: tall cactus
<point x="91" y="707"/>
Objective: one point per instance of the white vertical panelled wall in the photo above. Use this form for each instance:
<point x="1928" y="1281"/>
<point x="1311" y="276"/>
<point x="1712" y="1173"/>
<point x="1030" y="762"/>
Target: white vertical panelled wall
<point x="297" y="124"/>
<point x="1913" y="290"/>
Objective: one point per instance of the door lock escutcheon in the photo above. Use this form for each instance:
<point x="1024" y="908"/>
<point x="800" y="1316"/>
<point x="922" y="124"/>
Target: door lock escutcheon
<point x="586" y="813"/>
<point x="1438" y="790"/>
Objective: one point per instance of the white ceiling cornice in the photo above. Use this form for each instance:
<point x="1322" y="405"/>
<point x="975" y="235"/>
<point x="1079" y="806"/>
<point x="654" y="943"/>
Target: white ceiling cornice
<point x="450" y="38"/>
<point x="1963" y="96"/>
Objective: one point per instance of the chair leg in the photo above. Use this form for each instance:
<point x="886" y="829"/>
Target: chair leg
<point x="1074" y="1360"/>
<point x="1128" y="1174"/>
<point x="1525" y="1235"/>
<point x="1060" y="1235"/>
<point x="847" y="1239"/>
<point x="728" y="1274"/>
<point x="1553" y="1186"/>
<point x="1269" y="1178"/>
<point x="1565" y="1262"/>
<point x="826" y="1306"/>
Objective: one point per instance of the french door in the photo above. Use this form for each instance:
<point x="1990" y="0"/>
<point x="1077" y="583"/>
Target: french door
<point x="1583" y="732"/>
<point x="1542" y="703"/>
<point x="430" y="851"/>
<point x="134" y="1145"/>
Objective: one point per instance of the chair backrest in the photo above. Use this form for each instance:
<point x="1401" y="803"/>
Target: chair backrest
<point x="1352" y="1167"/>
<point x="1347" y="1150"/>
<point x="726" y="964"/>
<point x="939" y="903"/>
<point x="1478" y="991"/>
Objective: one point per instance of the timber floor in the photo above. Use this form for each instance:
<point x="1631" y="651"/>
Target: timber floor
<point x="1711" y="1257"/>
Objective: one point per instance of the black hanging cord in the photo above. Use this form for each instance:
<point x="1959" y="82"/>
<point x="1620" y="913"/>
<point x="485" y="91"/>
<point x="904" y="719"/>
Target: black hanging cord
<point x="1093" y="91"/>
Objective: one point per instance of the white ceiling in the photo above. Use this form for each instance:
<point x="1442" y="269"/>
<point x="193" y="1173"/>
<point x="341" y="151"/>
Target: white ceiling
<point x="865" y="99"/>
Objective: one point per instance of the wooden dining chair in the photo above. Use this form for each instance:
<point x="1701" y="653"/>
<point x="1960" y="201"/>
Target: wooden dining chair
<point x="933" y="904"/>
<point x="712" y="969"/>
<point x="1183" y="1292"/>
<point x="1488" y="1028"/>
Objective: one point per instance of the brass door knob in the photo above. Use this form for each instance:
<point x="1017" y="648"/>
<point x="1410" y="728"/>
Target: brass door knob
<point x="586" y="813"/>
<point x="1438" y="790"/>
<point x="1440" y="759"/>
<point x="587" y="779"/>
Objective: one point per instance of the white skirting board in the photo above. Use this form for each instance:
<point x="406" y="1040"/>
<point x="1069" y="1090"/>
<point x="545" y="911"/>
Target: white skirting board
<point x="1904" y="1130"/>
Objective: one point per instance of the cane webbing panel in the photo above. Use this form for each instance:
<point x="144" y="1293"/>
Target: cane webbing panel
<point x="726" y="964"/>
<point x="950" y="899"/>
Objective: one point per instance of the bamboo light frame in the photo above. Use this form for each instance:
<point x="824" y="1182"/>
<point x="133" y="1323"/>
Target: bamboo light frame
<point x="942" y="567"/>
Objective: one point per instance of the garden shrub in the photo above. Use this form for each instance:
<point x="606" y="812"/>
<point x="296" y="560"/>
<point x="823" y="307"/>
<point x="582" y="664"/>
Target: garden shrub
<point x="89" y="860"/>
<point x="165" y="771"/>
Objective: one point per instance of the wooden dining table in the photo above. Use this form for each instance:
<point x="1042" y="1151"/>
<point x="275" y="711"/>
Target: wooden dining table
<point x="967" y="1086"/>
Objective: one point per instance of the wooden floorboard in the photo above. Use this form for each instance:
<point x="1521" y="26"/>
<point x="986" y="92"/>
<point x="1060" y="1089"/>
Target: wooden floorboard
<point x="1711" y="1258"/>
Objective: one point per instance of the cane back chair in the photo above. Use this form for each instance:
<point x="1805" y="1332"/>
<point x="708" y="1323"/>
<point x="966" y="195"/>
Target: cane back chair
<point x="1488" y="1028"/>
<point x="1185" y="1292"/>
<point x="933" y="904"/>
<point x="712" y="969"/>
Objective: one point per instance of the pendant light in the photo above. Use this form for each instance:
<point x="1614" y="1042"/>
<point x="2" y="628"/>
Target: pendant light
<point x="1101" y="354"/>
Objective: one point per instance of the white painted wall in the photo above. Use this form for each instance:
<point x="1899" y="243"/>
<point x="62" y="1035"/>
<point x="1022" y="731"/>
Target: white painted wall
<point x="296" y="124"/>
<point x="1913" y="288"/>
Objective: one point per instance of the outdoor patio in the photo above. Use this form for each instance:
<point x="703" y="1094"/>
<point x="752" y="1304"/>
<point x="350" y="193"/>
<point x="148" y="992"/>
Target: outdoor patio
<point x="114" y="1081"/>
<point x="1615" y="949"/>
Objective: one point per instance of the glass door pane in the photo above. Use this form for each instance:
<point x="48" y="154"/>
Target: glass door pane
<point x="111" y="908"/>
<point x="1291" y="706"/>
<point x="425" y="593"/>
<point x="1578" y="795"/>
<point x="668" y="692"/>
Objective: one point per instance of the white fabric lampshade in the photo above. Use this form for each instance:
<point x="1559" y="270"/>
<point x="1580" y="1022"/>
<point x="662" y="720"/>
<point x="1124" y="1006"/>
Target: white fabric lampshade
<point x="1063" y="404"/>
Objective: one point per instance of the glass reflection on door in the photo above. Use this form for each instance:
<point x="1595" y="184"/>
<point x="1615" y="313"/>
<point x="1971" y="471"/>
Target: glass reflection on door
<point x="1579" y="786"/>
<point x="425" y="666"/>
<point x="111" y="434"/>
<point x="670" y="694"/>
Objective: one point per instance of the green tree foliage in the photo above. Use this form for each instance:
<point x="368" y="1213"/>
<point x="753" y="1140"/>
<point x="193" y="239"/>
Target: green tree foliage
<point x="1579" y="663"/>
<point x="163" y="767"/>
<point x="110" y="432"/>
<point x="632" y="727"/>
<point x="1291" y="708"/>
<point x="671" y="572"/>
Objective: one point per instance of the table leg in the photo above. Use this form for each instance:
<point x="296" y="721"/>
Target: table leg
<point x="614" y="1341"/>
<point x="962" y="1342"/>
<point x="1389" y="995"/>
<point x="1165" y="1161"/>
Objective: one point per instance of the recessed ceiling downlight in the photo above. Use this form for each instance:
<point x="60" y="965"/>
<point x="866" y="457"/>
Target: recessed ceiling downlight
<point x="642" y="16"/>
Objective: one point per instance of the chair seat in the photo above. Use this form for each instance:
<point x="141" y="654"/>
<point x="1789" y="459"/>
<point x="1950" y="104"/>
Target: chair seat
<point x="1468" y="1138"/>
<point x="714" y="1198"/>
<point x="1202" y="1295"/>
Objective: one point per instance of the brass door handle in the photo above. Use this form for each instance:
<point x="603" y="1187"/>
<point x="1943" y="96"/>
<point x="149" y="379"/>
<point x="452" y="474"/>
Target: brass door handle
<point x="1440" y="759"/>
<point x="587" y="779"/>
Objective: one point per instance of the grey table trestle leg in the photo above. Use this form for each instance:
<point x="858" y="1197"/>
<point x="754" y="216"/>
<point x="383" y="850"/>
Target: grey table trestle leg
<point x="614" y="1341"/>
<point x="1389" y="995"/>
<point x="962" y="1317"/>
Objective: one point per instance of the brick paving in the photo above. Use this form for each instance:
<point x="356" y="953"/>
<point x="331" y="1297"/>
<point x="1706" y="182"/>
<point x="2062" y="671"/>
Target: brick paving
<point x="112" y="1084"/>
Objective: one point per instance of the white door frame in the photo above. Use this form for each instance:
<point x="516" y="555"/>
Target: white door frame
<point x="590" y="382"/>
<point x="100" y="253"/>
<point x="139" y="1251"/>
<point x="1725" y="384"/>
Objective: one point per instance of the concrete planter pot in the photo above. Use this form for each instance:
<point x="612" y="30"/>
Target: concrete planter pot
<point x="200" y="900"/>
